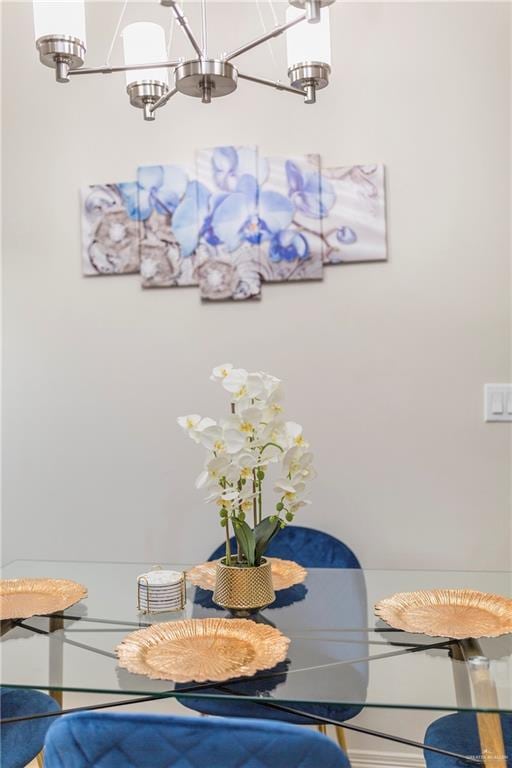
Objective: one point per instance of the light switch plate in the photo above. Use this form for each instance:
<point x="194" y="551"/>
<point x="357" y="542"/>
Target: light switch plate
<point x="498" y="402"/>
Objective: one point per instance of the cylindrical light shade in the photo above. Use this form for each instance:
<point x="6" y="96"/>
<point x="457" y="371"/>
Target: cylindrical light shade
<point x="308" y="42"/>
<point x="66" y="17"/>
<point x="144" y="43"/>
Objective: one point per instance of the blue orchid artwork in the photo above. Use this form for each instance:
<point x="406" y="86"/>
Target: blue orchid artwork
<point x="228" y="253"/>
<point x="295" y="249"/>
<point x="168" y="202"/>
<point x="234" y="220"/>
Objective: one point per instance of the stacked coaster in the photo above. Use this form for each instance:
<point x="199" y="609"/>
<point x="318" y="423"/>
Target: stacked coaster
<point x="159" y="591"/>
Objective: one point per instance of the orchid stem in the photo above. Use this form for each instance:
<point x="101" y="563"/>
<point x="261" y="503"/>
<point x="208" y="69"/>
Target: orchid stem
<point x="254" y="501"/>
<point x="267" y="445"/>
<point x="228" y="544"/>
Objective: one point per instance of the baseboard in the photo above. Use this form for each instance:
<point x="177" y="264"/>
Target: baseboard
<point x="365" y="758"/>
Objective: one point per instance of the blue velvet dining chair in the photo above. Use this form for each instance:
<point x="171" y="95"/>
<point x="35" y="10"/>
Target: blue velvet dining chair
<point x="312" y="549"/>
<point x="110" y="740"/>
<point x="23" y="741"/>
<point x="459" y="733"/>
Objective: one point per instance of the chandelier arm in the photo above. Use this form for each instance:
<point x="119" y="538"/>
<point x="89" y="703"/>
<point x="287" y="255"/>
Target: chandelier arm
<point x="163" y="100"/>
<point x="271" y="83"/>
<point x="263" y="38"/>
<point x="182" y="21"/>
<point x="122" y="68"/>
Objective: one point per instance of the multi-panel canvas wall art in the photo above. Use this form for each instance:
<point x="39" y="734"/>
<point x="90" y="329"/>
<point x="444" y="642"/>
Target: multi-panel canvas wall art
<point x="233" y="220"/>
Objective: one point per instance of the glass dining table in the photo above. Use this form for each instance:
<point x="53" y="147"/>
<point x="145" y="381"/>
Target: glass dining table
<point x="341" y="655"/>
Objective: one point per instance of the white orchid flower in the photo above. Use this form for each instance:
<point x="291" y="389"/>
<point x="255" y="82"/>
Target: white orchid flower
<point x="247" y="421"/>
<point x="189" y="422"/>
<point x="221" y="440"/>
<point x="223" y="497"/>
<point x="220" y="372"/>
<point x="256" y="386"/>
<point x="296" y="505"/>
<point x="292" y="493"/>
<point x="274" y="431"/>
<point x="294" y="434"/>
<point x="241" y="499"/>
<point x="236" y="383"/>
<point x="233" y="421"/>
<point x="194" y="424"/>
<point x="250" y="419"/>
<point x="272" y="407"/>
<point x="272" y="385"/>
<point x="285" y="487"/>
<point x="230" y="496"/>
<point x="215" y="470"/>
<point x="297" y="462"/>
<point x="246" y="462"/>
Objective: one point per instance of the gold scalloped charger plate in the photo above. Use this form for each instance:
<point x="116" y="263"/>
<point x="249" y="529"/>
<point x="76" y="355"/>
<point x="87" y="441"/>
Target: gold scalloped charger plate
<point x="200" y="650"/>
<point x="285" y="574"/>
<point x="454" y="613"/>
<point x="22" y="598"/>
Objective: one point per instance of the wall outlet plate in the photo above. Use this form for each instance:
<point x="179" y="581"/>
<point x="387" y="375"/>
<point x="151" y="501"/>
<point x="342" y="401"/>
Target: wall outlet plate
<point x="498" y="402"/>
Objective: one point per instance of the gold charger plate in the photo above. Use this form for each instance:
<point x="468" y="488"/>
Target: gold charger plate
<point x="197" y="650"/>
<point x="285" y="574"/>
<point x="454" y="613"/>
<point x="22" y="598"/>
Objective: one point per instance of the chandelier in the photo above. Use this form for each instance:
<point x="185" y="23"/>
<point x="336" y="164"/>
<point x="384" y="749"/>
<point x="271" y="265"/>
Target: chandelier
<point x="152" y="79"/>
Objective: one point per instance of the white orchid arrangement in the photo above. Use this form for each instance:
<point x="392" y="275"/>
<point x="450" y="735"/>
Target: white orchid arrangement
<point x="240" y="449"/>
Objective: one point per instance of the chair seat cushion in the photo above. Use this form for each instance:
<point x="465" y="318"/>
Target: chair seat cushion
<point x="22" y="741"/>
<point x="459" y="733"/>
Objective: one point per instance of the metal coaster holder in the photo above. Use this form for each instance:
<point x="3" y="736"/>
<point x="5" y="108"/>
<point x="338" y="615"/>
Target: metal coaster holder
<point x="142" y="580"/>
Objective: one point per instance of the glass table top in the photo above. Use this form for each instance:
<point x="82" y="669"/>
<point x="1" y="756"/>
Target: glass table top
<point x="340" y="653"/>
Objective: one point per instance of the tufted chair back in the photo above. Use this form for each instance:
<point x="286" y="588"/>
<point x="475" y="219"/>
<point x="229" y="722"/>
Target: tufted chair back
<point x="109" y="740"/>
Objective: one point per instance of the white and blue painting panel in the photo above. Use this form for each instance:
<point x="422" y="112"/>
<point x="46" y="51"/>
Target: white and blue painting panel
<point x="290" y="212"/>
<point x="165" y="201"/>
<point x="354" y="227"/>
<point x="110" y="235"/>
<point x="228" y="252"/>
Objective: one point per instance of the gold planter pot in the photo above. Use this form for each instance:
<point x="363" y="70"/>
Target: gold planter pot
<point x="243" y="590"/>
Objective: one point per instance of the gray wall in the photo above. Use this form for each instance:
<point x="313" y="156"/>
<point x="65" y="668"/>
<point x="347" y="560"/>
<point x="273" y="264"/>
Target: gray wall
<point x="384" y="363"/>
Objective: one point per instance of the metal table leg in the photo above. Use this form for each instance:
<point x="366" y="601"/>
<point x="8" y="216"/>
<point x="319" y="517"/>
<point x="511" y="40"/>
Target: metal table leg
<point x="486" y="697"/>
<point x="460" y="677"/>
<point x="5" y="626"/>
<point x="56" y="660"/>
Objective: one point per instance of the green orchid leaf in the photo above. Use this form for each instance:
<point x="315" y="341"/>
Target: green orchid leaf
<point x="264" y="533"/>
<point x="246" y="540"/>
